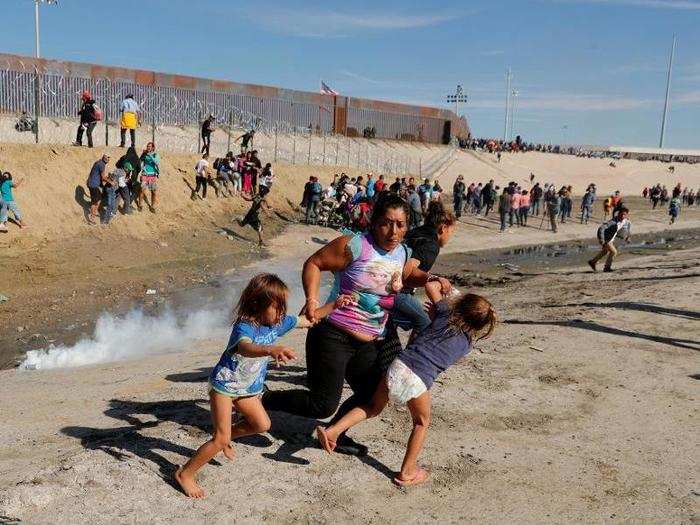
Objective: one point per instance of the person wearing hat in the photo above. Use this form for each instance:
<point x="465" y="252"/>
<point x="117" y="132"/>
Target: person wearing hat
<point x="207" y="130"/>
<point x="88" y="119"/>
<point x="130" y="119"/>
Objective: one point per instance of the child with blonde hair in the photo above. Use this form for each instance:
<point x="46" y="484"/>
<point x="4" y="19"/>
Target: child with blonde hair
<point x="238" y="379"/>
<point x="456" y="325"/>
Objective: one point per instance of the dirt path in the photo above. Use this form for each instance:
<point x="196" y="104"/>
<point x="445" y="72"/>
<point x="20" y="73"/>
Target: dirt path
<point x="583" y="407"/>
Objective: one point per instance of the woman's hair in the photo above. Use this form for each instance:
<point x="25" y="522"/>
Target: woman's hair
<point x="263" y="290"/>
<point x="437" y="215"/>
<point x="388" y="201"/>
<point x="473" y="315"/>
<point x="5" y="176"/>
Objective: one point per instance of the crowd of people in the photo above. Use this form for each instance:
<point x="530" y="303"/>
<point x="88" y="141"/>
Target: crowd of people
<point x="678" y="198"/>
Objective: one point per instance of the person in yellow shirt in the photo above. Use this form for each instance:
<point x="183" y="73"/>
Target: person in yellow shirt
<point x="130" y="112"/>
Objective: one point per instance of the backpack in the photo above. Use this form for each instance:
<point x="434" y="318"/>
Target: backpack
<point x="97" y="112"/>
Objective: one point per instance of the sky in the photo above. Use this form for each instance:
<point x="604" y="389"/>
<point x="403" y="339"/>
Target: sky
<point x="586" y="71"/>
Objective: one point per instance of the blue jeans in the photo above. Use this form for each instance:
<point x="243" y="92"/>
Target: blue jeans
<point x="6" y="206"/>
<point x="110" y="203"/>
<point x="408" y="313"/>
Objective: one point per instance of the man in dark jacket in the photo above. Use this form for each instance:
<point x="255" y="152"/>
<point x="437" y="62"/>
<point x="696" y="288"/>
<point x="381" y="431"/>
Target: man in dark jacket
<point x="88" y="119"/>
<point x="207" y="130"/>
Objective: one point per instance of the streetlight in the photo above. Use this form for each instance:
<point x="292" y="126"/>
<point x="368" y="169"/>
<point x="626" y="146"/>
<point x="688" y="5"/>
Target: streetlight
<point x="459" y="96"/>
<point x="36" y="21"/>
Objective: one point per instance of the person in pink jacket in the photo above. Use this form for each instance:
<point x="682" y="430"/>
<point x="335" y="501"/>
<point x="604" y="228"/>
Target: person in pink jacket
<point x="524" y="209"/>
<point x="515" y="207"/>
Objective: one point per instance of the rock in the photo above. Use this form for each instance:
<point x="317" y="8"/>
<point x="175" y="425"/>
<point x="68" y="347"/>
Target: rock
<point x="4" y="298"/>
<point x="20" y="329"/>
<point x="150" y="291"/>
<point x="230" y="237"/>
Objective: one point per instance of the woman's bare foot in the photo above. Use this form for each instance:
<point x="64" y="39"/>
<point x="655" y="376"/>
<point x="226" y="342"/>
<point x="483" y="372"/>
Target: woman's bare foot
<point x="229" y="452"/>
<point x="189" y="485"/>
<point x="327" y="444"/>
<point x="421" y="476"/>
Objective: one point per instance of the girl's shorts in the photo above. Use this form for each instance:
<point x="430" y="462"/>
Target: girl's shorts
<point x="149" y="183"/>
<point x="403" y="383"/>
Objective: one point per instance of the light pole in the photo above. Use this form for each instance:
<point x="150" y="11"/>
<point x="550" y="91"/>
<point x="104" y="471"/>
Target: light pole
<point x="459" y="96"/>
<point x="36" y="22"/>
<point x="668" y="93"/>
<point x="37" y="78"/>
<point x="509" y="79"/>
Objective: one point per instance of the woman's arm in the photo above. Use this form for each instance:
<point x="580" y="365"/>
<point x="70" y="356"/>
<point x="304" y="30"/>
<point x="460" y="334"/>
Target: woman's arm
<point x="333" y="257"/>
<point x="414" y="277"/>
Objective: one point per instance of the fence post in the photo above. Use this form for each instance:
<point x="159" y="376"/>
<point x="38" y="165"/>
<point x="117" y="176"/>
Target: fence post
<point x="337" y="147"/>
<point x="230" y="128"/>
<point x="358" y="154"/>
<point x="153" y="127"/>
<point x="199" y="135"/>
<point x="106" y="125"/>
<point x="294" y="148"/>
<point x="323" y="162"/>
<point x="308" y="158"/>
<point x="348" y="164"/>
<point x="37" y="103"/>
<point x="276" y="141"/>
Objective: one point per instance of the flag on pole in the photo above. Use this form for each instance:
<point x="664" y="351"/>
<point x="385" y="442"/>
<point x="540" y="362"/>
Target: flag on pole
<point x="327" y="90"/>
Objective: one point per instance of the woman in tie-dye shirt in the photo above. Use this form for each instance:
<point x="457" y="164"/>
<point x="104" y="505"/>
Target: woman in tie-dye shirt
<point x="346" y="345"/>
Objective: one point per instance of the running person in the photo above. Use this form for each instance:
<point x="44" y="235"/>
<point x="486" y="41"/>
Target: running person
<point x="346" y="345"/>
<point x="607" y="233"/>
<point x="455" y="327"/>
<point x="252" y="218"/>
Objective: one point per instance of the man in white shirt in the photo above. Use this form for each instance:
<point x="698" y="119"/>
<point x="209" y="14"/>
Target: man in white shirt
<point x="130" y="112"/>
<point x="202" y="176"/>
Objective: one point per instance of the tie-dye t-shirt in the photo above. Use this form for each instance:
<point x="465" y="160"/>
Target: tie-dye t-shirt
<point x="369" y="279"/>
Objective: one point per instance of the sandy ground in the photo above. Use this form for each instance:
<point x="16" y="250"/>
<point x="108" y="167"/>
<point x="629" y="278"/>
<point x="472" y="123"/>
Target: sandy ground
<point x="583" y="407"/>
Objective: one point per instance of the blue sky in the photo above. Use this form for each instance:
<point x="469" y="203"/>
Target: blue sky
<point x="594" y="67"/>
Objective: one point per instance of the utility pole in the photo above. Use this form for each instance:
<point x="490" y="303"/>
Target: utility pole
<point x="509" y="78"/>
<point x="668" y="93"/>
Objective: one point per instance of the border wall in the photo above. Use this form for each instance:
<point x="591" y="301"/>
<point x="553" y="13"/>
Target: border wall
<point x="50" y="88"/>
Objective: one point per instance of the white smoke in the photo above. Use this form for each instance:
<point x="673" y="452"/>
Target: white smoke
<point x="136" y="334"/>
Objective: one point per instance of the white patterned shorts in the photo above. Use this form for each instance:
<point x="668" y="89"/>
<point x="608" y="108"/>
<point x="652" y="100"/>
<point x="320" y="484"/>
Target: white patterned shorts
<point x="403" y="383"/>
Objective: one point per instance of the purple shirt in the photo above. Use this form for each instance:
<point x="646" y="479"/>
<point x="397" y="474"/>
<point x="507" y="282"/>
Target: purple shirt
<point x="436" y="348"/>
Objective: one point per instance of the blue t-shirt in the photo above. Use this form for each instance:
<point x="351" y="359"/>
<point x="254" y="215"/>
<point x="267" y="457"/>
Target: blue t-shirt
<point x="370" y="188"/>
<point x="6" y="191"/>
<point x="236" y="375"/>
<point x="95" y="177"/>
<point x="436" y="348"/>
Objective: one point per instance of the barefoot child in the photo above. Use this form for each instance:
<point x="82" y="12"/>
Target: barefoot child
<point x="455" y="326"/>
<point x="237" y="381"/>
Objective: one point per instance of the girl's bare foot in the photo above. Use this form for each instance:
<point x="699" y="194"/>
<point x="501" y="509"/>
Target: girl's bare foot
<point x="421" y="476"/>
<point x="323" y="438"/>
<point x="188" y="484"/>
<point x="230" y="453"/>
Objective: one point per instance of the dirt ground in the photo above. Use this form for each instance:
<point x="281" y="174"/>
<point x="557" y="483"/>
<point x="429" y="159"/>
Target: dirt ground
<point x="583" y="407"/>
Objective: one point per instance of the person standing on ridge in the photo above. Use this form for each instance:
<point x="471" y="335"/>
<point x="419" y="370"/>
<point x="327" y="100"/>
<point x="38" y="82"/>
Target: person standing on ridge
<point x="88" y="119"/>
<point x="130" y="111"/>
<point x="207" y="130"/>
